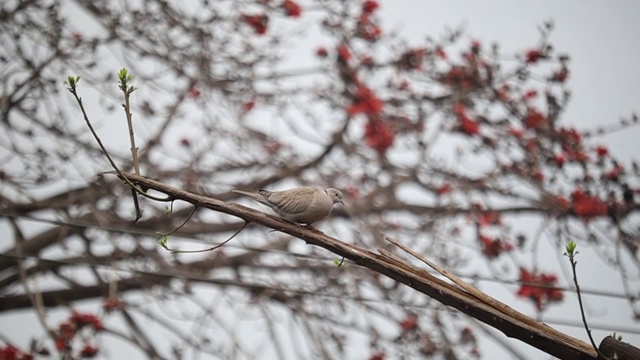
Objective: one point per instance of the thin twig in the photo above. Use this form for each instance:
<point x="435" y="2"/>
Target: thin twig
<point x="571" y="254"/>
<point x="127" y="91"/>
<point x="73" y="89"/>
<point x="195" y="208"/>
<point x="175" y="251"/>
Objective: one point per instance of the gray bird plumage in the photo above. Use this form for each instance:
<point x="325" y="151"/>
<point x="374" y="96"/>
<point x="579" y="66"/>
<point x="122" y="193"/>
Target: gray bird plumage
<point x="302" y="205"/>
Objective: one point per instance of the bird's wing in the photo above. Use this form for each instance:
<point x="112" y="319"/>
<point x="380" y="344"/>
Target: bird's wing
<point x="257" y="197"/>
<point x="294" y="201"/>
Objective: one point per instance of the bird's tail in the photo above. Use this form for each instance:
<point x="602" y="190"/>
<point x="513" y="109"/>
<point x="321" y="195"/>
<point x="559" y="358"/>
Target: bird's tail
<point x="254" y="196"/>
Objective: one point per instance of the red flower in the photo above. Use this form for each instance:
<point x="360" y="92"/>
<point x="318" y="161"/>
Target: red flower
<point x="404" y="85"/>
<point x="539" y="288"/>
<point x="82" y="319"/>
<point x="9" y="352"/>
<point x="492" y="248"/>
<point x="410" y="322"/>
<point x="76" y="36"/>
<point x="462" y="77"/>
<point x="532" y="56"/>
<point x="367" y="30"/>
<point x="559" y="159"/>
<point x="366" y="61"/>
<point x="467" y="336"/>
<point x="185" y="142"/>
<point x="441" y="53"/>
<point x="560" y="75"/>
<point x="194" y="93"/>
<point x="443" y="189"/>
<point x="571" y="136"/>
<point x="579" y="156"/>
<point x="322" y="52"/>
<point x="378" y="135"/>
<point x="248" y="106"/>
<point x="503" y="93"/>
<point x="89" y="351"/>
<point x="602" y="151"/>
<point x="291" y="8"/>
<point x="538" y="175"/>
<point x="530" y="95"/>
<point x="466" y="124"/>
<point x="489" y="218"/>
<point x="257" y="22"/>
<point x="344" y="54"/>
<point x="112" y="304"/>
<point x="587" y="206"/>
<point x="62" y="344"/>
<point x="412" y="59"/>
<point x="469" y="126"/>
<point x="369" y="6"/>
<point x="365" y="101"/>
<point x="515" y="132"/>
<point x="535" y="119"/>
<point x="377" y="356"/>
<point x="614" y="173"/>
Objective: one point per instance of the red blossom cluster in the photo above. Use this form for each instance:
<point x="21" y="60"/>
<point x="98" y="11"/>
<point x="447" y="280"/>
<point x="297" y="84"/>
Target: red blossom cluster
<point x="587" y="206"/>
<point x="473" y="73"/>
<point x="366" y="27"/>
<point x="465" y="123"/>
<point x="291" y="8"/>
<point x="365" y="101"/>
<point x="409" y="323"/>
<point x="443" y="189"/>
<point x="258" y="22"/>
<point x="88" y="351"/>
<point x="560" y="76"/>
<point x="248" y="106"/>
<point x="322" y="52"/>
<point x="112" y="304"/>
<point x="10" y="352"/>
<point x="411" y="59"/>
<point x="539" y="288"/>
<point x="344" y="54"/>
<point x="602" y="151"/>
<point x="488" y="218"/>
<point x="493" y="247"/>
<point x="378" y="135"/>
<point x="369" y="6"/>
<point x="615" y="173"/>
<point x="68" y="330"/>
<point x="534" y="119"/>
<point x="532" y="56"/>
<point x="194" y="93"/>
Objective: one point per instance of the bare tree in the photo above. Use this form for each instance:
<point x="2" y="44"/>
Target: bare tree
<point x="460" y="156"/>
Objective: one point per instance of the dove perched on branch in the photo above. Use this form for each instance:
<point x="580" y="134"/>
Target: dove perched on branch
<point x="301" y="205"/>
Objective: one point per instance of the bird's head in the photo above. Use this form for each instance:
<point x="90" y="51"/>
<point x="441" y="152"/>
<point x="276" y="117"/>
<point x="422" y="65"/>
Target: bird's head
<point x="336" y="195"/>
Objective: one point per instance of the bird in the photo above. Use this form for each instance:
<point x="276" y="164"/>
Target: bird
<point x="304" y="205"/>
